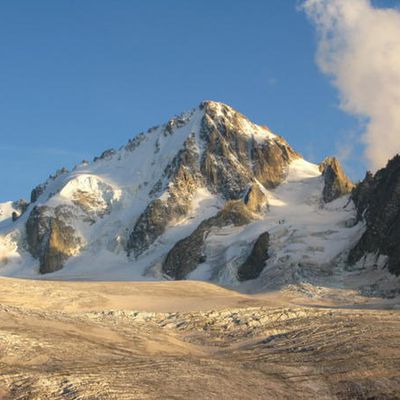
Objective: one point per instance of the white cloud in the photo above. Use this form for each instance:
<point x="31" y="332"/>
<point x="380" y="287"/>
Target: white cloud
<point x="359" y="47"/>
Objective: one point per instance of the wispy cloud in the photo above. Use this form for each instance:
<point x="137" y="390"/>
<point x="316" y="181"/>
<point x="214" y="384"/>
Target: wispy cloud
<point x="359" y="47"/>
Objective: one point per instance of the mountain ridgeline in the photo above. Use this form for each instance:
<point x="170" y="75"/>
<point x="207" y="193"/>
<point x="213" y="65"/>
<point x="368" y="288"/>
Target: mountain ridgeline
<point x="208" y="195"/>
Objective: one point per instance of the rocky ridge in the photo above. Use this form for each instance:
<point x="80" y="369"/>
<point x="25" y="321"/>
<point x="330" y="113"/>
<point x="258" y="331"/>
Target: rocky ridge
<point x="336" y="183"/>
<point x="377" y="199"/>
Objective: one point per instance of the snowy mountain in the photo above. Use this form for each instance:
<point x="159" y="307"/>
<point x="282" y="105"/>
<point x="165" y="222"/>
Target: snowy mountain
<point x="209" y="195"/>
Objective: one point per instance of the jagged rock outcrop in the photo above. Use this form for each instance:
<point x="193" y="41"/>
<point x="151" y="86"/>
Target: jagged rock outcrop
<point x="19" y="206"/>
<point x="255" y="199"/>
<point x="336" y="183"/>
<point x="105" y="155"/>
<point x="377" y="199"/>
<point x="361" y="194"/>
<point x="187" y="254"/>
<point x="255" y="262"/>
<point x="50" y="238"/>
<point x="53" y="230"/>
<point x="37" y="191"/>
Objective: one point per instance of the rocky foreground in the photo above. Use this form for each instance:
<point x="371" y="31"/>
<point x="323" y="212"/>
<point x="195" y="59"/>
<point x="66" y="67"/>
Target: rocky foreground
<point x="188" y="340"/>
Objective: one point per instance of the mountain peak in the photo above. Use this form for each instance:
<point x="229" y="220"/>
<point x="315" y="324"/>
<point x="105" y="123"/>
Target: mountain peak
<point x="212" y="104"/>
<point x="135" y="195"/>
<point x="209" y="194"/>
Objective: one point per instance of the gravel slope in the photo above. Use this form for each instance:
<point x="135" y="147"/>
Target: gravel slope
<point x="190" y="340"/>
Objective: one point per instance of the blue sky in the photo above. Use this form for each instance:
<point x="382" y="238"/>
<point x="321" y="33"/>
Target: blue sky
<point x="78" y="77"/>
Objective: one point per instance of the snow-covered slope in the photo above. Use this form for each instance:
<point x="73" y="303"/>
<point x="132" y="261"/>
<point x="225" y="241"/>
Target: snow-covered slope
<point x="110" y="193"/>
<point x="306" y="236"/>
<point x="206" y="186"/>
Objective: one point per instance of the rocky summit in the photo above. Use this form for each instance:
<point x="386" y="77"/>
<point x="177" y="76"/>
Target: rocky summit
<point x="210" y="196"/>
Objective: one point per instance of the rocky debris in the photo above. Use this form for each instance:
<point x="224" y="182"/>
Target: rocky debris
<point x="336" y="183"/>
<point x="255" y="262"/>
<point x="256" y="200"/>
<point x="377" y="199"/>
<point x="187" y="254"/>
<point x="50" y="238"/>
<point x="54" y="351"/>
<point x="228" y="324"/>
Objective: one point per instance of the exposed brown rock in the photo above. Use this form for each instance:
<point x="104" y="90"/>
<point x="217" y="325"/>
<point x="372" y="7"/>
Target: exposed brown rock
<point x="188" y="253"/>
<point x="336" y="183"/>
<point x="50" y="238"/>
<point x="91" y="204"/>
<point x="255" y="199"/>
<point x="232" y="159"/>
<point x="271" y="160"/>
<point x="225" y="171"/>
<point x="152" y="223"/>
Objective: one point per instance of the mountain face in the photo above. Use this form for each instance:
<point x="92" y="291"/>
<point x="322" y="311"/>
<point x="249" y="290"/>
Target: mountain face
<point x="377" y="199"/>
<point x="209" y="195"/>
<point x="223" y="156"/>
